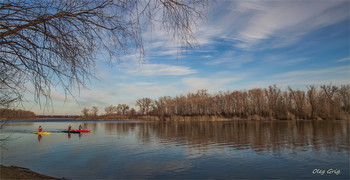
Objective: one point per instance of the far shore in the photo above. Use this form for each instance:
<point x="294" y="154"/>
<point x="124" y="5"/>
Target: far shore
<point x="157" y="118"/>
<point x="182" y="118"/>
<point x="162" y="118"/>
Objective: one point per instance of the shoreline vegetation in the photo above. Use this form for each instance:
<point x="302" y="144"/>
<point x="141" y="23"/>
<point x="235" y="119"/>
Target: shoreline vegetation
<point x="327" y="102"/>
<point x="16" y="114"/>
<point x="171" y="118"/>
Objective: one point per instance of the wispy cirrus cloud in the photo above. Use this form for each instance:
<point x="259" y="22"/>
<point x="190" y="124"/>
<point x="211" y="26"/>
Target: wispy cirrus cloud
<point x="210" y="83"/>
<point x="298" y="78"/>
<point x="162" y="70"/>
<point x="304" y="73"/>
<point x="344" y="59"/>
<point x="283" y="60"/>
<point x="336" y="75"/>
<point x="145" y="83"/>
<point x="251" y="23"/>
<point x="230" y="59"/>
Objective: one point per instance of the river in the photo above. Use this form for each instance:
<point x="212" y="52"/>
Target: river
<point x="181" y="150"/>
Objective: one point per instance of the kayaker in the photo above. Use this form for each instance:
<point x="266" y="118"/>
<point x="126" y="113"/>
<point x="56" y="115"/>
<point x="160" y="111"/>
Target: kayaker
<point x="80" y="127"/>
<point x="40" y="129"/>
<point x="69" y="128"/>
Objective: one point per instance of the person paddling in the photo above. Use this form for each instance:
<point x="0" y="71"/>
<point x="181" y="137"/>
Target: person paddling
<point x="40" y="129"/>
<point x="80" y="127"/>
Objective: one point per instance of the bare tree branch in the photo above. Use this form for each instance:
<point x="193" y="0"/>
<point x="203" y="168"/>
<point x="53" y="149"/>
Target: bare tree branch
<point x="57" y="41"/>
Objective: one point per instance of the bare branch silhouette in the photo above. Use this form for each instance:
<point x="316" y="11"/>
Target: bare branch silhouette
<point x="49" y="42"/>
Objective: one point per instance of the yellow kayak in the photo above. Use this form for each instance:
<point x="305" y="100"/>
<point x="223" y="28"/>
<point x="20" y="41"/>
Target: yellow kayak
<point x="42" y="133"/>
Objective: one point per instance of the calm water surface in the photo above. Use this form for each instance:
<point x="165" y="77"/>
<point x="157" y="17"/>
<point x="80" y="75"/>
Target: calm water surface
<point x="181" y="150"/>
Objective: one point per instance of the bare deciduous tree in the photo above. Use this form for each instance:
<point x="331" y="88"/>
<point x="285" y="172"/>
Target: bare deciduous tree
<point x="329" y="92"/>
<point x="85" y="112"/>
<point x="122" y="109"/>
<point x="132" y="112"/>
<point x="145" y="105"/>
<point x="344" y="93"/>
<point x="94" y="111"/>
<point x="51" y="42"/>
<point x="312" y="97"/>
<point x="110" y="109"/>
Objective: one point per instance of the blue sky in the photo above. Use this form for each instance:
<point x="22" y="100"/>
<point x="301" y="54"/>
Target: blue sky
<point x="242" y="45"/>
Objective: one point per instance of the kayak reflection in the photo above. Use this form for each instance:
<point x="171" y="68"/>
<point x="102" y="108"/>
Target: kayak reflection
<point x="39" y="137"/>
<point x="77" y="131"/>
<point x="69" y="134"/>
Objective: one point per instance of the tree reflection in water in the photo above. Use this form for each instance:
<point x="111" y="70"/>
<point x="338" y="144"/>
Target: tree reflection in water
<point x="260" y="136"/>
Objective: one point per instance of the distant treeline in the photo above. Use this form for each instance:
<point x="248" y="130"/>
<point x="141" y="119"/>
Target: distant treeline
<point x="16" y="114"/>
<point x="327" y="102"/>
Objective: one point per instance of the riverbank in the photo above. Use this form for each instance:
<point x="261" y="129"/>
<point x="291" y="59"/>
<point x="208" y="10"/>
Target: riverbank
<point x="155" y="118"/>
<point x="173" y="118"/>
<point x="15" y="172"/>
<point x="121" y="117"/>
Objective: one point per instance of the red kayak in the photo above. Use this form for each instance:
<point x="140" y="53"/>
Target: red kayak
<point x="83" y="131"/>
